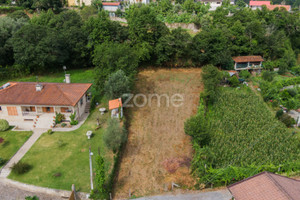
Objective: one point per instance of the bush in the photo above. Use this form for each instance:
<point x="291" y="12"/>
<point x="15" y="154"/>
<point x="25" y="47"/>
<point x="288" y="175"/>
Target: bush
<point x="31" y="198"/>
<point x="113" y="135"/>
<point x="268" y="76"/>
<point x="2" y="161"/>
<point x="18" y="14"/>
<point x="234" y="81"/>
<point x="279" y="113"/>
<point x="244" y="74"/>
<point x="73" y="121"/>
<point x="4" y="125"/>
<point x="287" y="120"/>
<point x="59" y="118"/>
<point x="20" y="168"/>
<point x="117" y="85"/>
<point x="196" y="126"/>
<point x="50" y="131"/>
<point x="63" y="124"/>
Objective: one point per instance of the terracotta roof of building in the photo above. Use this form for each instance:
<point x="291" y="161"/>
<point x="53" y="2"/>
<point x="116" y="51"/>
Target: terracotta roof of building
<point x="266" y="186"/>
<point x="111" y="3"/>
<point x="272" y="7"/>
<point x="24" y="93"/>
<point x="116" y="103"/>
<point x="248" y="59"/>
<point x="259" y="3"/>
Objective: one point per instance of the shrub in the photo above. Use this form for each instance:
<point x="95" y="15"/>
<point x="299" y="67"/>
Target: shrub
<point x="59" y="117"/>
<point x="292" y="92"/>
<point x="63" y="124"/>
<point x="268" y="76"/>
<point x="4" y="125"/>
<point x="18" y="14"/>
<point x="234" y="81"/>
<point x="50" y="131"/>
<point x="296" y="70"/>
<point x="196" y="126"/>
<point x="31" y="198"/>
<point x="20" y="168"/>
<point x="2" y="161"/>
<point x="287" y="120"/>
<point x="117" y="85"/>
<point x="72" y="117"/>
<point x="113" y="135"/>
<point x="244" y="74"/>
<point x="279" y="113"/>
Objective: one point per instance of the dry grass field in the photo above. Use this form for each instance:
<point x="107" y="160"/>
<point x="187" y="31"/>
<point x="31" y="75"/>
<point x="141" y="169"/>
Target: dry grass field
<point x="158" y="152"/>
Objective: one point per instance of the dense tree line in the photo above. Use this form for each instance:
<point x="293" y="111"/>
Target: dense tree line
<point x="48" y="41"/>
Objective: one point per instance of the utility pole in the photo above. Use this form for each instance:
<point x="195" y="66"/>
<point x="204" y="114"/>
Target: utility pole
<point x="91" y="169"/>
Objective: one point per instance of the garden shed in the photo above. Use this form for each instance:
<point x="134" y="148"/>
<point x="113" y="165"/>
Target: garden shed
<point x="116" y="108"/>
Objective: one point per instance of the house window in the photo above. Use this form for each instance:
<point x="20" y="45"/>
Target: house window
<point x="48" y="109"/>
<point x="218" y="2"/>
<point x="81" y="101"/>
<point x="0" y="109"/>
<point x="65" y="109"/>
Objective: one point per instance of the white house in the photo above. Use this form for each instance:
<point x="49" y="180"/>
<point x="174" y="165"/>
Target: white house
<point x="139" y="1"/>
<point x="29" y="103"/>
<point x="248" y="63"/>
<point x="111" y="7"/>
<point x="215" y="3"/>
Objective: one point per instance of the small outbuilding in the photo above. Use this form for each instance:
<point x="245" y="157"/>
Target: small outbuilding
<point x="116" y="108"/>
<point x="252" y="63"/>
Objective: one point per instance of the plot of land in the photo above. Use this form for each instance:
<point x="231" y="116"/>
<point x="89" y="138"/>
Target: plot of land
<point x="62" y="158"/>
<point x="158" y="152"/>
<point x="11" y="141"/>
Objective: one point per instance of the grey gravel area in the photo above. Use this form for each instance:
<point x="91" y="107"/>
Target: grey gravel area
<point x="214" y="195"/>
<point x="11" y="193"/>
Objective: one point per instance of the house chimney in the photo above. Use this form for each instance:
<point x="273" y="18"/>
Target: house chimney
<point x="68" y="78"/>
<point x="38" y="87"/>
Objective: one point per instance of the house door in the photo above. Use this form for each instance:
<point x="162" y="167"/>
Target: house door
<point x="12" y="111"/>
<point x="48" y="110"/>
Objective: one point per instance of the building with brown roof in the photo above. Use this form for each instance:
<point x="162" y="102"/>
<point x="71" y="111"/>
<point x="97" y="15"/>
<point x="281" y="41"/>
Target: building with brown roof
<point x="116" y="108"/>
<point x="248" y="62"/>
<point x="26" y="101"/>
<point x="266" y="186"/>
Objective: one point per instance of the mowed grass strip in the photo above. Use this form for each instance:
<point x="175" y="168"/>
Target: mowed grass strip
<point x="77" y="76"/>
<point x="13" y="140"/>
<point x="62" y="159"/>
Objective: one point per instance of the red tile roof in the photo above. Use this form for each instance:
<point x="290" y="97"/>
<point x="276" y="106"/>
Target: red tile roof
<point x="259" y="3"/>
<point x="272" y="7"/>
<point x="248" y="59"/>
<point x="266" y="186"/>
<point x="116" y="103"/>
<point x="24" y="93"/>
<point x="111" y="3"/>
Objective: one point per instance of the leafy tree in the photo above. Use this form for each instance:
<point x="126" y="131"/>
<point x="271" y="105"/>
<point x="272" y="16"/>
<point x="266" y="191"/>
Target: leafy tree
<point x="234" y="81"/>
<point x="268" y="76"/>
<point x="241" y="3"/>
<point x="18" y="14"/>
<point x="173" y="47"/>
<point x="100" y="191"/>
<point x="189" y="6"/>
<point x="197" y="127"/>
<point x="211" y="47"/>
<point x="113" y="135"/>
<point x="87" y="12"/>
<point x="97" y="4"/>
<point x="144" y="27"/>
<point x="211" y="77"/>
<point x="8" y="26"/>
<point x="117" y="85"/>
<point x="101" y="29"/>
<point x="244" y="74"/>
<point x="110" y="57"/>
<point x="38" y="47"/>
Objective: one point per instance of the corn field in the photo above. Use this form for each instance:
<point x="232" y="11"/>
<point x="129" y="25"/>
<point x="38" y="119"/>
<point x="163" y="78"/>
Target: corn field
<point x="245" y="138"/>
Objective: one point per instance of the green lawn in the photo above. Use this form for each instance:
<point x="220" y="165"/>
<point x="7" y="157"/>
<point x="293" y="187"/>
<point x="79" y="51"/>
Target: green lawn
<point x="13" y="140"/>
<point x="66" y="153"/>
<point x="77" y="76"/>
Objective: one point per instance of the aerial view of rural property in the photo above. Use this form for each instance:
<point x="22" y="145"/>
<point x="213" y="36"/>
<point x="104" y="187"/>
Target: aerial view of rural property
<point x="150" y="99"/>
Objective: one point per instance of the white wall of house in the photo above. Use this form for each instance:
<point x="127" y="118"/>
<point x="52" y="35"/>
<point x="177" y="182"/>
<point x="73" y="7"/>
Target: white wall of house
<point x="80" y="108"/>
<point x="139" y="1"/>
<point x="111" y="8"/>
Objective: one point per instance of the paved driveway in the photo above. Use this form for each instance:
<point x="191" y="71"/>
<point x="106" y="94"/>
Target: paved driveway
<point x="214" y="195"/>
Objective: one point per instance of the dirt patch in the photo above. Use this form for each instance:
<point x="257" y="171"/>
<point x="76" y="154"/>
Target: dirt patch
<point x="158" y="151"/>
